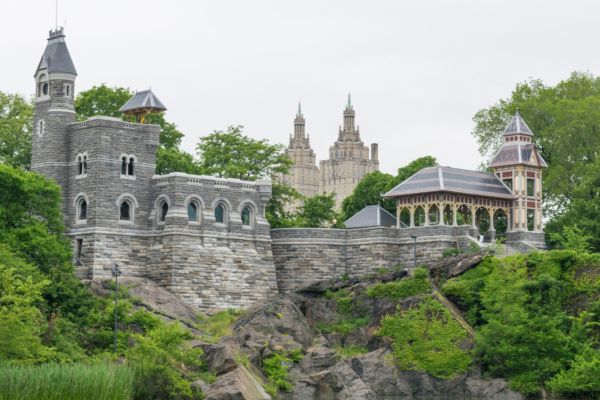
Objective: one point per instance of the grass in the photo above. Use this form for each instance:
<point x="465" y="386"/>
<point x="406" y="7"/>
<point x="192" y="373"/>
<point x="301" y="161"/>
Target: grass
<point x="343" y="326"/>
<point x="396" y="290"/>
<point x="276" y="369"/>
<point x="351" y="351"/>
<point x="216" y="326"/>
<point x="66" y="381"/>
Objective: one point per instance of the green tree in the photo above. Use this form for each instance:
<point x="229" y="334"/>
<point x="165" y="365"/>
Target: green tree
<point x="572" y="238"/>
<point x="230" y="154"/>
<point x="16" y="127"/>
<point x="565" y="119"/>
<point x="278" y="211"/>
<point x="104" y="100"/>
<point x="319" y="211"/>
<point x="372" y="186"/>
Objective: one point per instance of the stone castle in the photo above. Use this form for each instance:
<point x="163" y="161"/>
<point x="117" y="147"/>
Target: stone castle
<point x="347" y="164"/>
<point x="206" y="239"/>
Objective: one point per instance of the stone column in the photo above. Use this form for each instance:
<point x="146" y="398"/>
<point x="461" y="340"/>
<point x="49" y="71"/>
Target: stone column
<point x="454" y="212"/>
<point x="397" y="215"/>
<point x="426" y="209"/>
<point x="473" y="214"/>
<point x="491" y="212"/>
<point x="441" y="212"/>
<point x="412" y="217"/>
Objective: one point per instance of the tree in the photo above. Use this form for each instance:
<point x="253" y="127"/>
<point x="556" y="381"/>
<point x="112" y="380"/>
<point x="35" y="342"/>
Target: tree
<point x="277" y="210"/>
<point x="104" y="100"/>
<point x="16" y="126"/>
<point x="230" y="154"/>
<point x="319" y="211"/>
<point x="565" y="119"/>
<point x="372" y="186"/>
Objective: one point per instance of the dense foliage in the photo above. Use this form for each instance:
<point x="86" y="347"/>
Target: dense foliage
<point x="565" y="119"/>
<point x="47" y="315"/>
<point x="396" y="290"/>
<point x="545" y="305"/>
<point x="373" y="186"/>
<point x="16" y="127"/>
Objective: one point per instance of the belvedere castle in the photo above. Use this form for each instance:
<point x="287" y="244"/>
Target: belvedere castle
<point x="206" y="239"/>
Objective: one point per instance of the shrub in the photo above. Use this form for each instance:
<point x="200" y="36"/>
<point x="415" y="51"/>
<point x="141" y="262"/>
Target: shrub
<point x="426" y="338"/>
<point x="276" y="369"/>
<point x="216" y="326"/>
<point x="351" y="351"/>
<point x="396" y="290"/>
<point x="451" y="252"/>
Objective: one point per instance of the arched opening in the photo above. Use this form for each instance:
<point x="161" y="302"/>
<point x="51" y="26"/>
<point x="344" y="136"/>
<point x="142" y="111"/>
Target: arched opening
<point x="45" y="88"/>
<point x="448" y="215"/>
<point x="84" y="164"/>
<point x="130" y="167"/>
<point x="434" y="215"/>
<point x="482" y="220"/>
<point x="192" y="210"/>
<point x="530" y="219"/>
<point x="419" y="216"/>
<point x="500" y="223"/>
<point x="246" y="216"/>
<point x="404" y="218"/>
<point x="125" y="211"/>
<point x="463" y="215"/>
<point x="220" y="214"/>
<point x="164" y="209"/>
<point x="82" y="210"/>
<point x="41" y="127"/>
<point x="124" y="166"/>
<point x="79" y="166"/>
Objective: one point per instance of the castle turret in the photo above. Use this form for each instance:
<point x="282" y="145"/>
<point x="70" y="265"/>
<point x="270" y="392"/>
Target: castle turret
<point x="54" y="109"/>
<point x="519" y="165"/>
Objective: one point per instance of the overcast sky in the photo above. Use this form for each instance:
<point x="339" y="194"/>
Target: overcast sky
<point x="418" y="71"/>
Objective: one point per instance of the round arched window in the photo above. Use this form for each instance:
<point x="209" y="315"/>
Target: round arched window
<point x="164" y="209"/>
<point x="125" y="211"/>
<point x="83" y="209"/>
<point x="246" y="216"/>
<point x="192" y="210"/>
<point x="220" y="213"/>
<point x="45" y="88"/>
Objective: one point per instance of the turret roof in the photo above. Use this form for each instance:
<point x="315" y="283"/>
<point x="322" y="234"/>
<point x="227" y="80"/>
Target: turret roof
<point x="144" y="100"/>
<point x="517" y="125"/>
<point x="56" y="57"/>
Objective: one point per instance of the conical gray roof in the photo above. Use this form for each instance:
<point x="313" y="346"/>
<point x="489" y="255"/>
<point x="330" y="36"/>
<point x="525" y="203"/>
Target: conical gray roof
<point x="517" y="125"/>
<point x="143" y="100"/>
<point x="56" y="57"/>
<point x="371" y="216"/>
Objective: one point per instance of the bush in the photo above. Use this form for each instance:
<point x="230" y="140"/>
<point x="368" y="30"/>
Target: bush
<point x="427" y="338"/>
<point x="451" y="252"/>
<point x="276" y="369"/>
<point x="101" y="381"/>
<point x="396" y="290"/>
<point x="216" y="326"/>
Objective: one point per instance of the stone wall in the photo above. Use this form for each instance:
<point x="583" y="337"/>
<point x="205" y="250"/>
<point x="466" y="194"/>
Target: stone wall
<point x="306" y="255"/>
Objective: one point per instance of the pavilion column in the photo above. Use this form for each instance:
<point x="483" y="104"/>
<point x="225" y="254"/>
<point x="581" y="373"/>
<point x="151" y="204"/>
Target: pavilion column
<point x="398" y="215"/>
<point x="454" y="212"/>
<point x="426" y="208"/>
<point x="473" y="215"/>
<point x="412" y="217"/>
<point x="441" y="212"/>
<point x="491" y="212"/>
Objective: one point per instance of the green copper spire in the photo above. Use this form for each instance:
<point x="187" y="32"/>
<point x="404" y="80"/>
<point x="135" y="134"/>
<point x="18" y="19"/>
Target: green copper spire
<point x="349" y="101"/>
<point x="299" y="109"/>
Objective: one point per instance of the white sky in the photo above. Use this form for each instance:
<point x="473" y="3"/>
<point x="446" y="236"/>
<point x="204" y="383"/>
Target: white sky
<point x="417" y="71"/>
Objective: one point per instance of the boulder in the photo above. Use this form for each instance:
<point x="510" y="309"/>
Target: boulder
<point x="220" y="358"/>
<point x="238" y="384"/>
<point x="318" y="358"/>
<point x="495" y="389"/>
<point x="380" y="374"/>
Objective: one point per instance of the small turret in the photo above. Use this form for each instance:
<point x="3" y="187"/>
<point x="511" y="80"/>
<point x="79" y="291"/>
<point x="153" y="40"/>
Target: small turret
<point x="141" y="105"/>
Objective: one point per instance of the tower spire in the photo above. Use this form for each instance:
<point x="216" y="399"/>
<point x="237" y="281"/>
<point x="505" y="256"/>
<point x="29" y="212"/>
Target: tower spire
<point x="299" y="109"/>
<point x="349" y="101"/>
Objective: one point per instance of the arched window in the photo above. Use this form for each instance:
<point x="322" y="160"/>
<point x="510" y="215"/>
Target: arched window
<point x="125" y="211"/>
<point x="164" y="209"/>
<point x="124" y="166"/>
<point x="82" y="210"/>
<point x="220" y="213"/>
<point x="84" y="164"/>
<point x="130" y="167"/>
<point x="246" y="216"/>
<point x="45" y="88"/>
<point x="192" y="210"/>
<point x="41" y="127"/>
<point x="79" y="166"/>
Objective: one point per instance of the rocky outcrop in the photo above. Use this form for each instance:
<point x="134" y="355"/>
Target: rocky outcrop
<point x="238" y="384"/>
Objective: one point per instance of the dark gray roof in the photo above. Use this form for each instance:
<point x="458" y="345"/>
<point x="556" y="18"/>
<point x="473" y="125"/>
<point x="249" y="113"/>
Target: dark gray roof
<point x="454" y="180"/>
<point x="517" y="125"/>
<point x="518" y="153"/>
<point x="371" y="216"/>
<point x="143" y="100"/>
<point x="56" y="57"/>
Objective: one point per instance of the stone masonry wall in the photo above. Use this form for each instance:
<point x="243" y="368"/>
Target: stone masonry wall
<point x="304" y="256"/>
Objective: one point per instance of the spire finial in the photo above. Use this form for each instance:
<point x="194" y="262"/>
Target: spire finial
<point x="349" y="101"/>
<point x="299" y="108"/>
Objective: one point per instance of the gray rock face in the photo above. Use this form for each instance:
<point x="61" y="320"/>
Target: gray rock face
<point x="220" y="358"/>
<point x="238" y="384"/>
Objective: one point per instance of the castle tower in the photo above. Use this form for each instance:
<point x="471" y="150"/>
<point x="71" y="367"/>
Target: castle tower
<point x="348" y="161"/>
<point x="304" y="173"/>
<point x="54" y="109"/>
<point x="519" y="165"/>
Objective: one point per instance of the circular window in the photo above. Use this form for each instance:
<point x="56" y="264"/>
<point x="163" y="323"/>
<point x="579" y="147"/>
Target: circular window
<point x="45" y="89"/>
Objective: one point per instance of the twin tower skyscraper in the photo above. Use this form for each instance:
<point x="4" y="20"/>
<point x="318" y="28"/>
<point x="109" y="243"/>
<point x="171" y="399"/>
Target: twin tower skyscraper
<point x="349" y="160"/>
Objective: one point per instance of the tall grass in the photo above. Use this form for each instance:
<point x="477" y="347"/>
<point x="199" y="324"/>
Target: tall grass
<point x="101" y="381"/>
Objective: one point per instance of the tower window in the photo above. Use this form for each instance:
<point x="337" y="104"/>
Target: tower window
<point x="84" y="164"/>
<point x="164" y="209"/>
<point x="127" y="165"/>
<point x="246" y="216"/>
<point x="45" y="88"/>
<point x="130" y="167"/>
<point x="78" y="251"/>
<point x="125" y="211"/>
<point x="220" y="214"/>
<point x="530" y="219"/>
<point x="41" y="128"/>
<point x="79" y="166"/>
<point x="124" y="166"/>
<point x="83" y="210"/>
<point x="192" y="210"/>
<point x="530" y="187"/>
<point x="508" y="182"/>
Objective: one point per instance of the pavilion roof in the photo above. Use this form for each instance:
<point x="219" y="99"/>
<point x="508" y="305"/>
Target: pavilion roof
<point x="144" y="100"/>
<point x="454" y="180"/>
<point x="371" y="216"/>
<point x="518" y="153"/>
